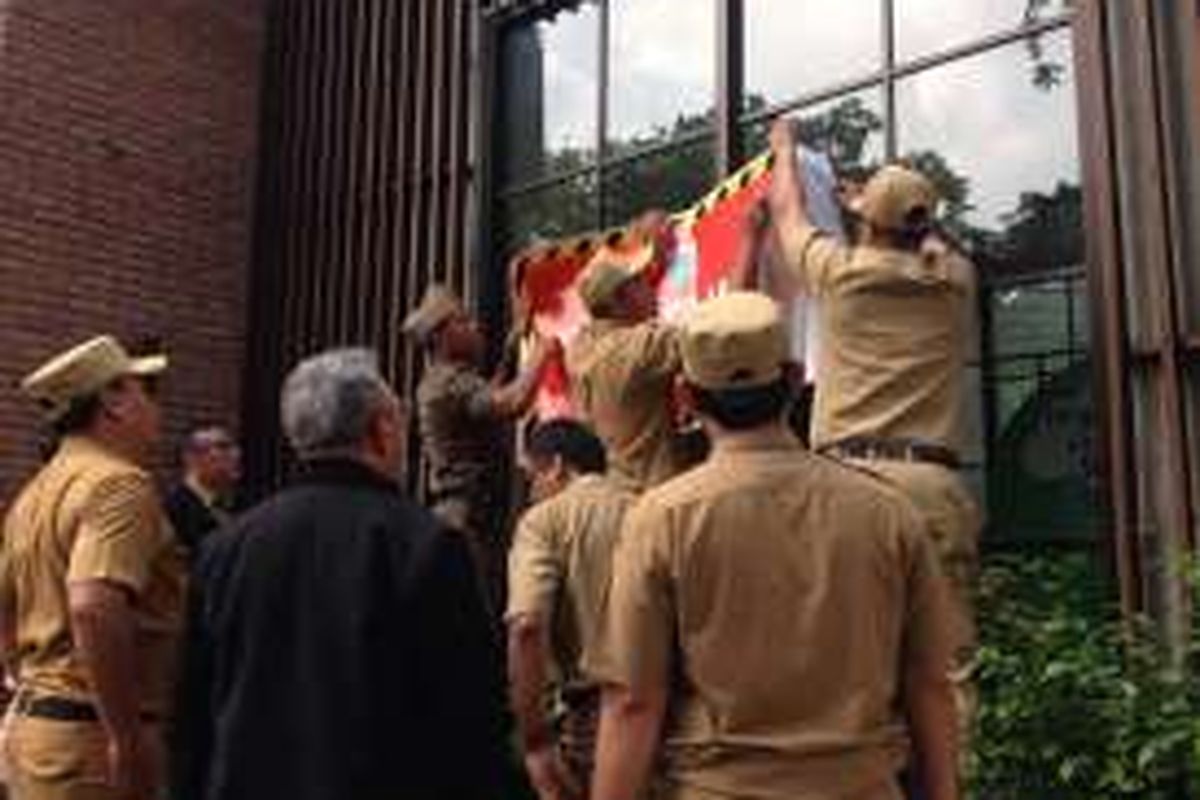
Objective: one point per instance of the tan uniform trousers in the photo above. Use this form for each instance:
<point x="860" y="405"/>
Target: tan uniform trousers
<point x="55" y="760"/>
<point x="953" y="520"/>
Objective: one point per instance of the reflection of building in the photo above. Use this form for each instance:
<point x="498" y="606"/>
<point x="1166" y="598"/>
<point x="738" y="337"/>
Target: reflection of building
<point x="1062" y="133"/>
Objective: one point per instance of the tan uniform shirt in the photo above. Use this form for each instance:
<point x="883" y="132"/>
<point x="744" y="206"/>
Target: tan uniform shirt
<point x="458" y="431"/>
<point x="782" y="596"/>
<point x="560" y="564"/>
<point x="621" y="381"/>
<point x="896" y="329"/>
<point x="91" y="515"/>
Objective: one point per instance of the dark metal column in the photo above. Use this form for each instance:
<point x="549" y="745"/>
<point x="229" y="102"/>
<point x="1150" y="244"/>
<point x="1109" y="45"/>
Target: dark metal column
<point x="730" y="83"/>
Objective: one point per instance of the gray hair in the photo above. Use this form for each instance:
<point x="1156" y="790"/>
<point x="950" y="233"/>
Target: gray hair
<point x="328" y="401"/>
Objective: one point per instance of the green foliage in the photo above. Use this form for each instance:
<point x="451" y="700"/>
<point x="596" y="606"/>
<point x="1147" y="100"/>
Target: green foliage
<point x="1074" y="703"/>
<point x="843" y="130"/>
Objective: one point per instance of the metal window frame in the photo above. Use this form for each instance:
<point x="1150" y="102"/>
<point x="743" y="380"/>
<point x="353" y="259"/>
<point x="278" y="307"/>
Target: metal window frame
<point x="375" y="174"/>
<point x="729" y="89"/>
<point x="1113" y="358"/>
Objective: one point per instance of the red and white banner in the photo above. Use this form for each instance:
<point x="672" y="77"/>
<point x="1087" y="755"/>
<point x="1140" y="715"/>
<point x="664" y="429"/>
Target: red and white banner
<point x="698" y="251"/>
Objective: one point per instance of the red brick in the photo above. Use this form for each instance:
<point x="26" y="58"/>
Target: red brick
<point x="128" y="131"/>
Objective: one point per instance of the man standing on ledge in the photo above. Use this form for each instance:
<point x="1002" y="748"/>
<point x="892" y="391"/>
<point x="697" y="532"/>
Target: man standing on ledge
<point x="622" y="367"/>
<point x="461" y="417"/>
<point x="787" y="609"/>
<point x="897" y="312"/>
<point x="91" y="588"/>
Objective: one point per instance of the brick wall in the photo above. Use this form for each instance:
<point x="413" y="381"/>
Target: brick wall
<point x="127" y="148"/>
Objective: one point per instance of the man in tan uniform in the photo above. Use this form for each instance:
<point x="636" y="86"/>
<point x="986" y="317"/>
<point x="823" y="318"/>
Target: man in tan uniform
<point x="622" y="366"/>
<point x="461" y="419"/>
<point x="897" y="313"/>
<point x="787" y="609"/>
<point x="91" y="588"/>
<point x="558" y="576"/>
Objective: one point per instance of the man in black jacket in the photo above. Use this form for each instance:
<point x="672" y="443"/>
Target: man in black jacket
<point x="338" y="649"/>
<point x="202" y="501"/>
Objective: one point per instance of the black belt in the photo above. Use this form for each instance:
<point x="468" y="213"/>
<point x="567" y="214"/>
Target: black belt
<point x="871" y="448"/>
<point x="581" y="697"/>
<point x="61" y="709"/>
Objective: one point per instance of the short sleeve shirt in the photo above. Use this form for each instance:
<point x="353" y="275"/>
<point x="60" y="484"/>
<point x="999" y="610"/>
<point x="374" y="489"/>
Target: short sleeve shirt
<point x="781" y="597"/>
<point x="91" y="515"/>
<point x="559" y="566"/>
<point x="621" y="378"/>
<point x="896" y="333"/>
<point x="458" y="429"/>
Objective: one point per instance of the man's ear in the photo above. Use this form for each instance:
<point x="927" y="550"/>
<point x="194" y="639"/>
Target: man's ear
<point x="379" y="431"/>
<point x="559" y="468"/>
<point x="112" y="398"/>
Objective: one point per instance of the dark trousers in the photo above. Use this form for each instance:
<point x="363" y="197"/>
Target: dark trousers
<point x="910" y="783"/>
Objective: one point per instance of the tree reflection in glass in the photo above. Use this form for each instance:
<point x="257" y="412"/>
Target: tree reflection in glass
<point x="927" y="26"/>
<point x="997" y="132"/>
<point x="849" y="129"/>
<point x="662" y="70"/>
<point x="560" y="210"/>
<point x="671" y="180"/>
<point x="793" y="47"/>
<point x="1002" y="147"/>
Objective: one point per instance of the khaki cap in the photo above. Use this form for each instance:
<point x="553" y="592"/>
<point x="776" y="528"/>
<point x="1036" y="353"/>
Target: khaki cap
<point x="734" y="341"/>
<point x="607" y="272"/>
<point x="84" y="370"/>
<point x="892" y="194"/>
<point x="438" y="305"/>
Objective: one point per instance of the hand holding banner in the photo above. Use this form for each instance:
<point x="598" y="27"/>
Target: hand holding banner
<point x="696" y="251"/>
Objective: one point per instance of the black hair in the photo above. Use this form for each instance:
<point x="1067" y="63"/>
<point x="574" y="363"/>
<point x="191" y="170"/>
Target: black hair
<point x="79" y="416"/>
<point x="917" y="226"/>
<point x="189" y="444"/>
<point x="910" y="237"/>
<point x="81" y="413"/>
<point x="571" y="441"/>
<point x="743" y="408"/>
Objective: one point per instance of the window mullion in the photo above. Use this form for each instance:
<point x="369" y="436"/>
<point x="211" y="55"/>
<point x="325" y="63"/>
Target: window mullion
<point x="602" y="60"/>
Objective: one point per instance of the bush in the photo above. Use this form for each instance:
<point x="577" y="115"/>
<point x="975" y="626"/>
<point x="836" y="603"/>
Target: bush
<point x="1074" y="704"/>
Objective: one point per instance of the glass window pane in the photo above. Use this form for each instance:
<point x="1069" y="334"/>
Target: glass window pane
<point x="663" y="70"/>
<point x="849" y="128"/>
<point x="550" y="91"/>
<point x="973" y="452"/>
<point x="926" y="26"/>
<point x="1042" y="466"/>
<point x="1001" y="144"/>
<point x="559" y="210"/>
<point x="1032" y="318"/>
<point x="794" y="47"/>
<point x="1000" y="141"/>
<point x="672" y="180"/>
